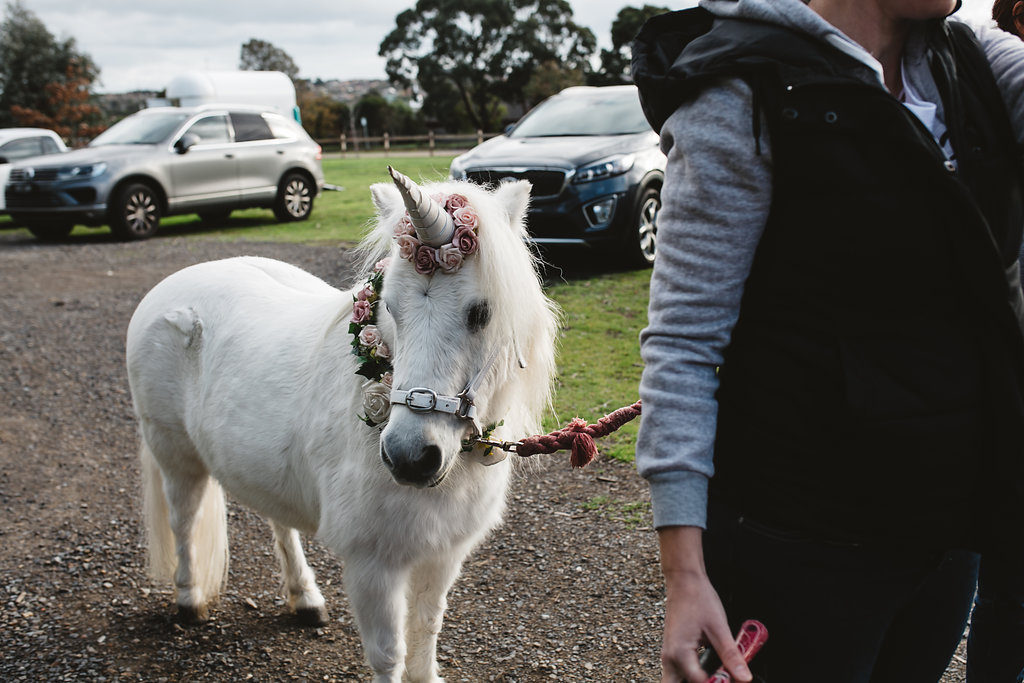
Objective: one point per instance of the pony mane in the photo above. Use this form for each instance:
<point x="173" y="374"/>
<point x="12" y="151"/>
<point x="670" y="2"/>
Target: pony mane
<point x="520" y="309"/>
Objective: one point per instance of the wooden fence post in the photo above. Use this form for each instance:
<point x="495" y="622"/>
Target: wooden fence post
<point x="387" y="142"/>
<point x="344" y="145"/>
<point x="479" y="136"/>
<point x="430" y="143"/>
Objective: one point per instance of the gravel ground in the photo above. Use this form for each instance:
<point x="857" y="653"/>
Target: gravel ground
<point x="567" y="589"/>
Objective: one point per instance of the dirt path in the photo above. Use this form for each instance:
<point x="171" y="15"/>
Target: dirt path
<point x="567" y="589"/>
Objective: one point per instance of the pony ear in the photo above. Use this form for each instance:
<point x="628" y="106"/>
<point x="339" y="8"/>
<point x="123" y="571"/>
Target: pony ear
<point x="514" y="197"/>
<point x="386" y="198"/>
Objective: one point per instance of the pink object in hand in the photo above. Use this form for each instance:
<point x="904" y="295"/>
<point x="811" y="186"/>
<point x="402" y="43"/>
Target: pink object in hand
<point x="751" y="638"/>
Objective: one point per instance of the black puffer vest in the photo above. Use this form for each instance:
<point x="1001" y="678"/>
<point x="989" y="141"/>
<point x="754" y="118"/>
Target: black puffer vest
<point x="871" y="388"/>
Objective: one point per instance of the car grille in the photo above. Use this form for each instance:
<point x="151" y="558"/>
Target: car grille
<point x="34" y="198"/>
<point x="39" y="174"/>
<point x="545" y="183"/>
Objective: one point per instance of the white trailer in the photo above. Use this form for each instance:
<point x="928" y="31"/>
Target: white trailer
<point x="270" y="89"/>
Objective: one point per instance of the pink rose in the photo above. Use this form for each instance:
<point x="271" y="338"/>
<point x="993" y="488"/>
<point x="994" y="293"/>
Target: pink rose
<point x="382" y="351"/>
<point x="382" y="265"/>
<point x="449" y="257"/>
<point x="466" y="240"/>
<point x="366" y="293"/>
<point x="387" y="379"/>
<point x="407" y="247"/>
<point x="440" y="197"/>
<point x="466" y="217"/>
<point x="404" y="226"/>
<point x="361" y="311"/>
<point x="370" y="336"/>
<point x="425" y="260"/>
<point x="456" y="201"/>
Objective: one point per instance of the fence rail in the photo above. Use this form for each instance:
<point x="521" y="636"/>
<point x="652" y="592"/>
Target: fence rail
<point x="432" y="142"/>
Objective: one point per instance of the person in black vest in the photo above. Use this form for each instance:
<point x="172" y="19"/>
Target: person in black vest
<point x="835" y="330"/>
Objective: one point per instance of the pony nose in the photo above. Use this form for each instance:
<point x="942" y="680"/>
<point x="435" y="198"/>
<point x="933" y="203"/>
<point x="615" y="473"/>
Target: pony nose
<point x="418" y="470"/>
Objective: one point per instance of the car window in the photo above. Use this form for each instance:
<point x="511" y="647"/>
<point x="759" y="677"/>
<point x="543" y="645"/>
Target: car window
<point x="281" y="127"/>
<point x="147" y="128"/>
<point x="211" y="130"/>
<point x="21" y="149"/>
<point x="49" y="146"/>
<point x="601" y="113"/>
<point x="250" y="127"/>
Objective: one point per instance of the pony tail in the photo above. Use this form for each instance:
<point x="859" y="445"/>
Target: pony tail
<point x="162" y="559"/>
<point x="210" y="537"/>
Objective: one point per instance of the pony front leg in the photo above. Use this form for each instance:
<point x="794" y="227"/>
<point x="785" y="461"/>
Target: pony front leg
<point x="428" y="598"/>
<point x="376" y="593"/>
<point x="299" y="581"/>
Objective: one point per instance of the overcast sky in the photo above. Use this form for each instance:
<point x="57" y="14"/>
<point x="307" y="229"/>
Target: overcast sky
<point x="142" y="44"/>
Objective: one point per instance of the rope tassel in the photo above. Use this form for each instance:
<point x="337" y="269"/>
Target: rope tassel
<point x="577" y="436"/>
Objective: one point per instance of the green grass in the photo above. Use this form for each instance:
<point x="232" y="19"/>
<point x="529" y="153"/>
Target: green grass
<point x="599" y="354"/>
<point x="630" y="513"/>
<point x="599" y="357"/>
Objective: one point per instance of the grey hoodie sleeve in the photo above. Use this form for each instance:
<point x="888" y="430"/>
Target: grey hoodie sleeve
<point x="714" y="208"/>
<point x="1005" y="53"/>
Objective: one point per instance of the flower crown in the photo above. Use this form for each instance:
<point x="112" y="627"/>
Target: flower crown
<point x="448" y="257"/>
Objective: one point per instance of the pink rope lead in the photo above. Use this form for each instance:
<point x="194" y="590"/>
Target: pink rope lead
<point x="577" y="435"/>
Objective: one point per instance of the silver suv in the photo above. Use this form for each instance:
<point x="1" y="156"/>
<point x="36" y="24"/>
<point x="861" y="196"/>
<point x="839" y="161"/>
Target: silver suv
<point x="170" y="160"/>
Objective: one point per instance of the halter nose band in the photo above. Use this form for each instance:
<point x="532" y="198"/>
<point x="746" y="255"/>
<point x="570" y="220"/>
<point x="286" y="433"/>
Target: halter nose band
<point x="424" y="400"/>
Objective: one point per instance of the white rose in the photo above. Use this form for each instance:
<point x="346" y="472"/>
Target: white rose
<point x="370" y="336"/>
<point x="376" y="402"/>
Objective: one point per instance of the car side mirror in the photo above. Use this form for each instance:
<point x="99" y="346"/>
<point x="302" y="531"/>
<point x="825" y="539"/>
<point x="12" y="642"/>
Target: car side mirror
<point x="509" y="128"/>
<point x="185" y="142"/>
<point x="3" y="160"/>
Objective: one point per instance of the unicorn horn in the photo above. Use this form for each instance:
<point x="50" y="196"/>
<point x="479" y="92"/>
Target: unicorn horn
<point x="434" y="226"/>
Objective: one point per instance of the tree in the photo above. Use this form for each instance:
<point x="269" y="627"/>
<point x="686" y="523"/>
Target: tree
<point x="322" y="116"/>
<point x="482" y="52"/>
<point x="550" y="78"/>
<point x="396" y="117"/>
<point x="259" y="55"/>
<point x="615" y="62"/>
<point x="37" y="71"/>
<point x="68" y="110"/>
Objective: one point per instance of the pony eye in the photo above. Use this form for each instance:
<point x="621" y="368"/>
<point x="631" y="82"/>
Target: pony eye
<point x="478" y="316"/>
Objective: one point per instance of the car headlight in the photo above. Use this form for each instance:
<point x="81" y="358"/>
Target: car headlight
<point x="606" y="168"/>
<point x="82" y="172"/>
<point x="458" y="167"/>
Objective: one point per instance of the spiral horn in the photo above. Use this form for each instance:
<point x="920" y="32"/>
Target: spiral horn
<point x="434" y="226"/>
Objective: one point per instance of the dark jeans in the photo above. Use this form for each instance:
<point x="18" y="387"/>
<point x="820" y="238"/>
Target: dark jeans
<point x="838" y="612"/>
<point x="995" y="649"/>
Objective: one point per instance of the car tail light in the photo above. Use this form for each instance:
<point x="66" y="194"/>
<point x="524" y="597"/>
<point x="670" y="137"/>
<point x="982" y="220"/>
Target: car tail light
<point x="319" y="152"/>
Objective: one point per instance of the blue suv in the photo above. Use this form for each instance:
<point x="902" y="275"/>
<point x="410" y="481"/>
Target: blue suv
<point x="595" y="167"/>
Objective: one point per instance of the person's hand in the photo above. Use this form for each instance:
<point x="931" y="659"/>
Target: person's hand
<point x="693" y="612"/>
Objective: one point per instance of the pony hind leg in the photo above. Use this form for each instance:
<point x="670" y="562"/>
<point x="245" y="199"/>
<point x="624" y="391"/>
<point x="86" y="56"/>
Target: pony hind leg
<point x="299" y="581"/>
<point x="187" y="522"/>
<point x="428" y="598"/>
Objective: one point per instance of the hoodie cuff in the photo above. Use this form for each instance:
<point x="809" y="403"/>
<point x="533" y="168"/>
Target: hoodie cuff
<point x="679" y="498"/>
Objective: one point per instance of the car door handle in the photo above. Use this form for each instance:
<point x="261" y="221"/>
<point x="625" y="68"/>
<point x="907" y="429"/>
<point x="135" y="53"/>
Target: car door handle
<point x="229" y="156"/>
<point x="280" y="151"/>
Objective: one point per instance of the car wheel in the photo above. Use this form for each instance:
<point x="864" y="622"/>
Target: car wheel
<point x="215" y="216"/>
<point x="294" y="198"/>
<point x="135" y="212"/>
<point x="49" y="231"/>
<point x="642" y="240"/>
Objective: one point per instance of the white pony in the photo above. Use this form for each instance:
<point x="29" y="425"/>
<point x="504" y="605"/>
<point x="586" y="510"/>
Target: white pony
<point x="243" y="376"/>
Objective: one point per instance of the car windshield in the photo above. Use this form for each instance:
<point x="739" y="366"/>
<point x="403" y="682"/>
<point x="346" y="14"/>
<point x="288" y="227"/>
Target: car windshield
<point x="599" y="113"/>
<point x="141" y="129"/>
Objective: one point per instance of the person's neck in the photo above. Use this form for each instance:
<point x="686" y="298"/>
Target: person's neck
<point x="883" y="36"/>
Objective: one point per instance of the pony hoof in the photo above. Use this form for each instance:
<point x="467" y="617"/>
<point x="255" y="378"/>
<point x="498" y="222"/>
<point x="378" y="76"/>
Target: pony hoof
<point x="312" y="616"/>
<point x="187" y="614"/>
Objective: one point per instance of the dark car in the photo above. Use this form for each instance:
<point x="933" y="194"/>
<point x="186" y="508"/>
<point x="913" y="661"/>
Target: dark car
<point x="595" y="167"/>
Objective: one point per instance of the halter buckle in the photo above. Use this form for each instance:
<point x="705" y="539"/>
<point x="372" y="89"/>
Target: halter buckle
<point x="421" y="399"/>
